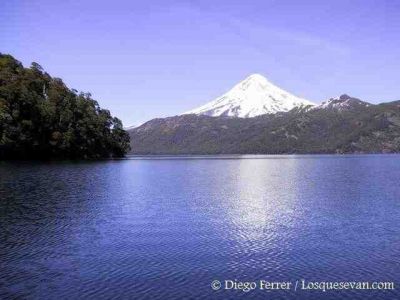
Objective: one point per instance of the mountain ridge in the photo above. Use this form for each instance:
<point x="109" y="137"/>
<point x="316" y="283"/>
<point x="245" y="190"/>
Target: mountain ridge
<point x="357" y="127"/>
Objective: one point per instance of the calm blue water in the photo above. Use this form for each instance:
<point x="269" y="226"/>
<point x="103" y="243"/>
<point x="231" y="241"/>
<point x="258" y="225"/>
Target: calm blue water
<point x="166" y="228"/>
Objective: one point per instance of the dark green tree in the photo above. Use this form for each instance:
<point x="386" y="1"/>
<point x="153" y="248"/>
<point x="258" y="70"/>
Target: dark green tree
<point x="40" y="117"/>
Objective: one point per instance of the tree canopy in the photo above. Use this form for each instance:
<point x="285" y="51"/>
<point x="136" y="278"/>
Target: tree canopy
<point x="40" y="117"/>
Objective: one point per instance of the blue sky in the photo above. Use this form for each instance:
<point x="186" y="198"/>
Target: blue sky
<point x="147" y="59"/>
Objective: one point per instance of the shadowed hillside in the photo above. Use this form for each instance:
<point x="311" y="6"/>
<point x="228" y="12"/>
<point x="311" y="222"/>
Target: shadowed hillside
<point x="344" y="125"/>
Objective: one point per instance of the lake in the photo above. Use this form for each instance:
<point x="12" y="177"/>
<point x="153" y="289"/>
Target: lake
<point x="167" y="227"/>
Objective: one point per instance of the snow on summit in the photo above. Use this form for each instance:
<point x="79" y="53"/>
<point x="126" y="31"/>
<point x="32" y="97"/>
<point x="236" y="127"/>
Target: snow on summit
<point x="251" y="97"/>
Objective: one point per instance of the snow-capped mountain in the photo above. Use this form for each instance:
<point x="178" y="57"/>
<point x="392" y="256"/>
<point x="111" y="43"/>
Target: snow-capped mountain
<point x="251" y="97"/>
<point x="342" y="102"/>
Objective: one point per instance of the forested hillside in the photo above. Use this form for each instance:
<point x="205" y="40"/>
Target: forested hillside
<point x="40" y="117"/>
<point x="346" y="125"/>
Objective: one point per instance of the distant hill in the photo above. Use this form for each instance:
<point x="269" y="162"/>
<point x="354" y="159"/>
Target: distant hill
<point x="339" y="125"/>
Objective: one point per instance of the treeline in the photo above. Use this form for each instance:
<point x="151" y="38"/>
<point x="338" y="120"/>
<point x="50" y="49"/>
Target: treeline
<point x="41" y="118"/>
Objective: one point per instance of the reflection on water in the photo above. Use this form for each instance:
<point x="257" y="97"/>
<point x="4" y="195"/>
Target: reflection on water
<point x="254" y="205"/>
<point x="165" y="227"/>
